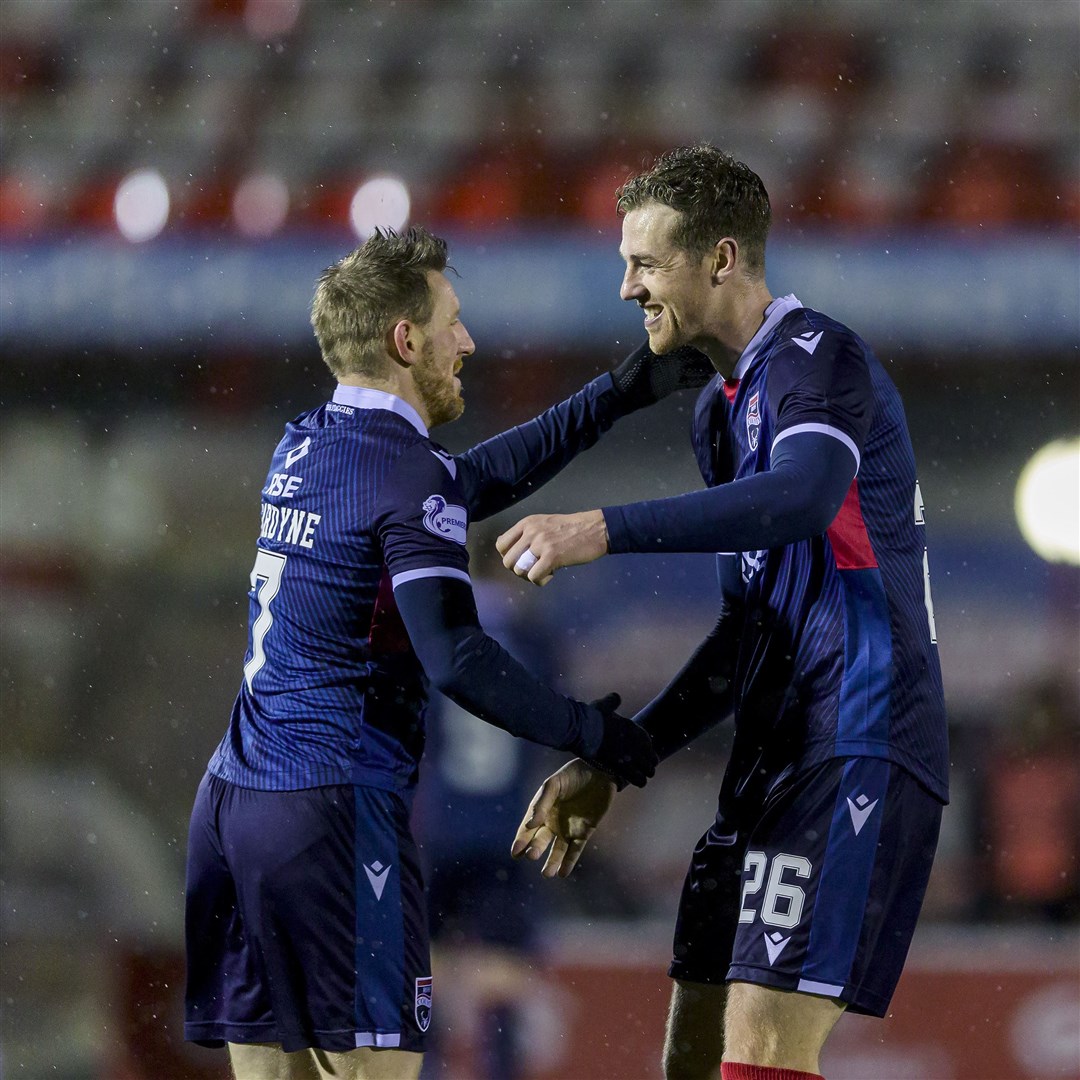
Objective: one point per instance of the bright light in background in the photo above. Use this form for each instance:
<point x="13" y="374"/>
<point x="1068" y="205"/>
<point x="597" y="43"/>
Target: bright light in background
<point x="141" y="205"/>
<point x="379" y="203"/>
<point x="260" y="205"/>
<point x="1048" y="502"/>
<point x="266" y="19"/>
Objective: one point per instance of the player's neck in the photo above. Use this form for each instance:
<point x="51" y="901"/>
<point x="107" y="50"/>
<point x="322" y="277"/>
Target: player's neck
<point x="400" y="385"/>
<point x="736" y="324"/>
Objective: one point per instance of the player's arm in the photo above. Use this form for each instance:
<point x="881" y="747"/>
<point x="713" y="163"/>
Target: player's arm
<point x="798" y="498"/>
<point x="569" y="805"/>
<point x="510" y="466"/>
<point x="701" y="694"/>
<point x="821" y="407"/>
<point x="421" y="528"/>
<point x="476" y="672"/>
<point x="822" y="417"/>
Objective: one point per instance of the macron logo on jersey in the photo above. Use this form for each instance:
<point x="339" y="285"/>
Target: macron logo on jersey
<point x="808" y="341"/>
<point x="376" y="874"/>
<point x="860" y="810"/>
<point x="445" y="519"/>
<point x="296" y="453"/>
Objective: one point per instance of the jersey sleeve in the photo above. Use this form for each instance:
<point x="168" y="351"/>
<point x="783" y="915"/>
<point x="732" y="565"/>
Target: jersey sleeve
<point x="508" y="467"/>
<point x="824" y="390"/>
<point x="421" y="518"/>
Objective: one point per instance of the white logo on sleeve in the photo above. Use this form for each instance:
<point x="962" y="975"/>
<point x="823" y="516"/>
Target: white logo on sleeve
<point x="445" y="519"/>
<point x="376" y="874"/>
<point x="860" y="810"/>
<point x="808" y="341"/>
<point x="753" y="421"/>
<point x="296" y="453"/>
<point x="775" y="943"/>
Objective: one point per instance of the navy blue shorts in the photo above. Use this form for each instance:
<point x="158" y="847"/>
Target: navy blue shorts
<point x="820" y="893"/>
<point x="306" y="923"/>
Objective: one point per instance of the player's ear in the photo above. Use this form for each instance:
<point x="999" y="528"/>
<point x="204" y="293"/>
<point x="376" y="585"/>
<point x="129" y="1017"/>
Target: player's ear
<point x="404" y="345"/>
<point x="725" y="257"/>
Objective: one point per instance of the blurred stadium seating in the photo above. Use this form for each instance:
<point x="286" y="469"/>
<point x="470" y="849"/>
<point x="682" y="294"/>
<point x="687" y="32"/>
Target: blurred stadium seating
<point x="855" y="113"/>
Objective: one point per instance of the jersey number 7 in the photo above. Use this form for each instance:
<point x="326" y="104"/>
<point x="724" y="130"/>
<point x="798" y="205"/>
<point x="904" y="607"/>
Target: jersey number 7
<point x="265" y="582"/>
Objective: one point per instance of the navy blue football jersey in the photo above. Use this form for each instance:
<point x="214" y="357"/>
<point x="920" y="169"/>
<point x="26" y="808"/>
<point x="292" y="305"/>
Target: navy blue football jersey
<point x="826" y="645"/>
<point x="837" y="655"/>
<point x="359" y="500"/>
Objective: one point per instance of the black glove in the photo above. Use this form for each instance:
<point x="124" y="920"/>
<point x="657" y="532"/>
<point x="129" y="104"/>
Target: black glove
<point x="645" y="378"/>
<point x="625" y="752"/>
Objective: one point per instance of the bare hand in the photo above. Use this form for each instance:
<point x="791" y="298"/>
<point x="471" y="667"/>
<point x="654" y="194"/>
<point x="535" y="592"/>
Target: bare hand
<point x="564" y="813"/>
<point x="539" y="545"/>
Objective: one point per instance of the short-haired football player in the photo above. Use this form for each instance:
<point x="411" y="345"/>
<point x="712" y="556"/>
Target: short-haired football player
<point x="307" y="940"/>
<point x="802" y="896"/>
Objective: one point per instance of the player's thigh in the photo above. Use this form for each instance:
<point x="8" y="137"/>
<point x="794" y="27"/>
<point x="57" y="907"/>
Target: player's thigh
<point x="694" y="1037"/>
<point x="368" y="1064"/>
<point x="267" y="1061"/>
<point x="778" y="1028"/>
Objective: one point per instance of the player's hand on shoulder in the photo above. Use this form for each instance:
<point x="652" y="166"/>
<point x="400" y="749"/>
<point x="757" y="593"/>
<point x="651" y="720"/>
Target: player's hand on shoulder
<point x="645" y="378"/>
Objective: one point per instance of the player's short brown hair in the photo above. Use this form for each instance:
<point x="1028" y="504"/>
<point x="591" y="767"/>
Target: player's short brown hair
<point x="358" y="299"/>
<point x="715" y="195"/>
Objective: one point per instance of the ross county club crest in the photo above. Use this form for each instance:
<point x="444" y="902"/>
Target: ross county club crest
<point x="753" y="422"/>
<point x="423" y="1003"/>
<point x="445" y="519"/>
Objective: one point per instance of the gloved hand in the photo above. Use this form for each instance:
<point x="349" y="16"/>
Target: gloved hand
<point x="645" y="378"/>
<point x="625" y="751"/>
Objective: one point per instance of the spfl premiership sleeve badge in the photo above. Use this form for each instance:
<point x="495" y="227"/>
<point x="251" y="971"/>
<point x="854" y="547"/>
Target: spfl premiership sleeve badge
<point x="422" y="1007"/>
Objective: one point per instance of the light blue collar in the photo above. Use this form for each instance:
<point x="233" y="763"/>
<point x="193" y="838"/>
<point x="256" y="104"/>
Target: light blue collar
<point x="364" y="397"/>
<point x="773" y="314"/>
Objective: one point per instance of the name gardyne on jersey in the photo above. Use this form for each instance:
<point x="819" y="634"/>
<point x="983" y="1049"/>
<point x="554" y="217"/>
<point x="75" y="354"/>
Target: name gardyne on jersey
<point x="287" y="524"/>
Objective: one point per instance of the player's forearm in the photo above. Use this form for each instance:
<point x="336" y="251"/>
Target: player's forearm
<point x="477" y="673"/>
<point x="798" y="499"/>
<point x="507" y="468"/>
<point x="484" y="679"/>
<point x="700" y="695"/>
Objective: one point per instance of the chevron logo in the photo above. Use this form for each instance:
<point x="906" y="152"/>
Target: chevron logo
<point x="860" y="810"/>
<point x="376" y="874"/>
<point x="808" y="341"/>
<point x="775" y="943"/>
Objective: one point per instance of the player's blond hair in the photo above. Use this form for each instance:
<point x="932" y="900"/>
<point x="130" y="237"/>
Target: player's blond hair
<point x="360" y="298"/>
<point x="716" y="196"/>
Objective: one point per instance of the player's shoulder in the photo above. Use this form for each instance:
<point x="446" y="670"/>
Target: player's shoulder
<point x="804" y="331"/>
<point x="422" y="472"/>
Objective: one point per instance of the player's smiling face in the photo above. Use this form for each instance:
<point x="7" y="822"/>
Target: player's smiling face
<point x="671" y="286"/>
<point x="446" y="344"/>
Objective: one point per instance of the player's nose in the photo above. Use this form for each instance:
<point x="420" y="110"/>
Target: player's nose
<point x="466" y="347"/>
<point x="632" y="289"/>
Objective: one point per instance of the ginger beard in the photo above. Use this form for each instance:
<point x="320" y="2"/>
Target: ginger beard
<point x="437" y="387"/>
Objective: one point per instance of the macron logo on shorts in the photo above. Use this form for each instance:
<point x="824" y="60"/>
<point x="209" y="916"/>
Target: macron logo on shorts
<point x="860" y="810"/>
<point x="376" y="874"/>
<point x="775" y="943"/>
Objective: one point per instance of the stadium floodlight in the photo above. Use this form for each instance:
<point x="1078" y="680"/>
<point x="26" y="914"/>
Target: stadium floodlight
<point x="260" y="205"/>
<point x="1048" y="502"/>
<point x="141" y="205"/>
<point x="382" y="202"/>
